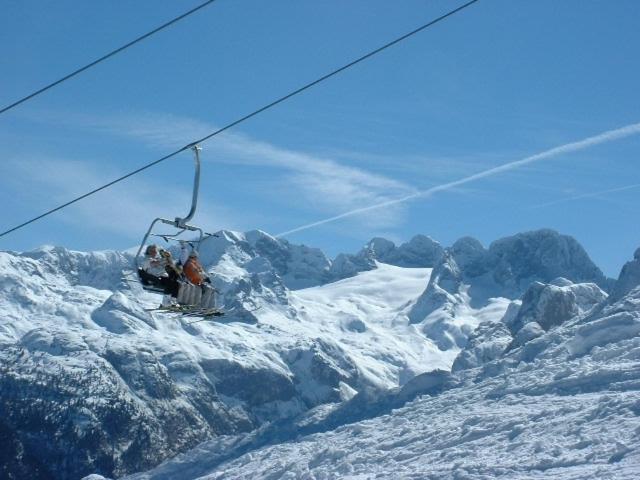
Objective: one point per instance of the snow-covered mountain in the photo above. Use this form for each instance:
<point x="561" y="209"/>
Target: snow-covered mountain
<point x="565" y="405"/>
<point x="92" y="381"/>
<point x="562" y="403"/>
<point x="471" y="281"/>
<point x="298" y="266"/>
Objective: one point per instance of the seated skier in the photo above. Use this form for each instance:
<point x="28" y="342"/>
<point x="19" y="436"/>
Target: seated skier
<point x="195" y="273"/>
<point x="158" y="269"/>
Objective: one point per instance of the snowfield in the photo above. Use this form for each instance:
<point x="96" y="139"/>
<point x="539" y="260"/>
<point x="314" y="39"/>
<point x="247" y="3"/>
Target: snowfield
<point x="464" y="362"/>
<point x="86" y="360"/>
<point x="566" y="408"/>
<point x="367" y="315"/>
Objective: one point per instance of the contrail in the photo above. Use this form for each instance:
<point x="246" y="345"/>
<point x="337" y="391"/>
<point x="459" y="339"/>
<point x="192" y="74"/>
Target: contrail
<point x="604" y="137"/>
<point x="586" y="195"/>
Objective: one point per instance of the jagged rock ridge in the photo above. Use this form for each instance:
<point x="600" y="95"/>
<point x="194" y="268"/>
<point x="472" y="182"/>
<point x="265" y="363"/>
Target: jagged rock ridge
<point x="506" y="269"/>
<point x="419" y="252"/>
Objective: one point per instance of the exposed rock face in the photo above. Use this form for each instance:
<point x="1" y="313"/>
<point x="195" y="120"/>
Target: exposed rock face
<point x="550" y="305"/>
<point x="541" y="255"/>
<point x="319" y="369"/>
<point x="94" y="269"/>
<point x="587" y="294"/>
<point x="110" y="414"/>
<point x="506" y="269"/>
<point x="543" y="307"/>
<point x="249" y="269"/>
<point x="248" y="288"/>
<point x="471" y="257"/>
<point x="379" y="248"/>
<point x="259" y="389"/>
<point x="514" y="262"/>
<point x="444" y="283"/>
<point x="298" y="266"/>
<point x="488" y="342"/>
<point x="314" y="374"/>
<point x="629" y="278"/>
<point x="617" y="321"/>
<point x="346" y="265"/>
<point x="420" y="252"/>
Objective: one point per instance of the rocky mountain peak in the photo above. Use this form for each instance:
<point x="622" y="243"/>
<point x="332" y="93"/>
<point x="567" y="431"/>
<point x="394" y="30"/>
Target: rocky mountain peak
<point x="628" y="279"/>
<point x="298" y="266"/>
<point x="506" y="269"/>
<point x="472" y="258"/>
<point x="100" y="269"/>
<point x="545" y="306"/>
<point x="419" y="252"/>
<point x="542" y="255"/>
<point x="379" y="247"/>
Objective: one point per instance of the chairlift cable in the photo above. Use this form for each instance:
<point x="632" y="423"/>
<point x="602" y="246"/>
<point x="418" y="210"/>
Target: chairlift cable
<point x="246" y="117"/>
<point x="105" y="57"/>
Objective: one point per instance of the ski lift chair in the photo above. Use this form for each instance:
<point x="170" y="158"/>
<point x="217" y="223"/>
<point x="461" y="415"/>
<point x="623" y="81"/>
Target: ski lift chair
<point x="179" y="224"/>
<point x="189" y="295"/>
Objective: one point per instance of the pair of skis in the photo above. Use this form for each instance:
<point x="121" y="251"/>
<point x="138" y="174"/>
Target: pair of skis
<point x="190" y="311"/>
<point x="201" y="314"/>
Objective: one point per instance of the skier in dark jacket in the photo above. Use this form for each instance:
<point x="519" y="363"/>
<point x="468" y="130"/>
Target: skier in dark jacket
<point x="159" y="269"/>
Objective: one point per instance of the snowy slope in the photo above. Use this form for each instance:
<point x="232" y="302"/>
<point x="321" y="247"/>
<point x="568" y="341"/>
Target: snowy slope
<point x="91" y="380"/>
<point x="366" y="314"/>
<point x="565" y="405"/>
<point x="80" y="350"/>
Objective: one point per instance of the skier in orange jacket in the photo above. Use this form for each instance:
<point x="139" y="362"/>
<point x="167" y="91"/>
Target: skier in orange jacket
<point x="194" y="271"/>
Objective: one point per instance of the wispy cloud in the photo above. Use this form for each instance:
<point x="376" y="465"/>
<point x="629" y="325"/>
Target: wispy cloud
<point x="587" y="195"/>
<point x="125" y="210"/>
<point x="605" y="137"/>
<point x="325" y="184"/>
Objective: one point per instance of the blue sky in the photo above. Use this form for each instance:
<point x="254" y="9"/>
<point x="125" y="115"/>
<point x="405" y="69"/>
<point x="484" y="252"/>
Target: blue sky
<point x="495" y="84"/>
